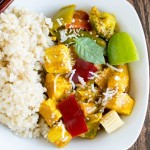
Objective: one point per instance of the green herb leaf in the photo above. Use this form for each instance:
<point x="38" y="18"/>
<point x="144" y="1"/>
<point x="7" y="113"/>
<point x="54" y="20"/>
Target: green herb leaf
<point x="88" y="50"/>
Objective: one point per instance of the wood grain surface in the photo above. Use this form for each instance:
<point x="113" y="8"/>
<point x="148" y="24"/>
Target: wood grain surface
<point x="143" y="9"/>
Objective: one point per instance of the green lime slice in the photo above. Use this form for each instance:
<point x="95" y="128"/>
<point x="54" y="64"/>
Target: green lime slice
<point x="121" y="49"/>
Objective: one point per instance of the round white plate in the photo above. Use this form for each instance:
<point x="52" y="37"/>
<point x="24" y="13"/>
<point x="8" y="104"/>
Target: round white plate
<point x="125" y="137"/>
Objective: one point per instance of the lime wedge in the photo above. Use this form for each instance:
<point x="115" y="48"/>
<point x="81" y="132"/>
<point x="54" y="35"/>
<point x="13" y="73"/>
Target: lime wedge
<point x="121" y="49"/>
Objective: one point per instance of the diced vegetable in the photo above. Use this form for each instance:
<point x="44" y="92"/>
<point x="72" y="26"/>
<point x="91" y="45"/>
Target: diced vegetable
<point x="92" y="131"/>
<point x="81" y="33"/>
<point x="80" y="24"/>
<point x="80" y="21"/>
<point x="111" y="121"/>
<point x="94" y="118"/>
<point x="58" y="59"/>
<point x="93" y="122"/>
<point x="57" y="86"/>
<point x="119" y="80"/>
<point x="49" y="111"/>
<point x="104" y="23"/>
<point x="59" y="135"/>
<point x="122" y="103"/>
<point x="72" y="116"/>
<point x="88" y="108"/>
<point x="102" y="79"/>
<point x="80" y="14"/>
<point x="83" y="70"/>
<point x="63" y="16"/>
<point x="87" y="94"/>
<point x="121" y="49"/>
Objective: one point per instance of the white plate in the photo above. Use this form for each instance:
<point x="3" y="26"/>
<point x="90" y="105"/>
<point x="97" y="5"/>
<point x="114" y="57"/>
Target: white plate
<point x="139" y="71"/>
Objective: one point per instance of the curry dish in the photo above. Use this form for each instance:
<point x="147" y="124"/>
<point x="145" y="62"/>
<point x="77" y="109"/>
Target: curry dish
<point x="87" y="76"/>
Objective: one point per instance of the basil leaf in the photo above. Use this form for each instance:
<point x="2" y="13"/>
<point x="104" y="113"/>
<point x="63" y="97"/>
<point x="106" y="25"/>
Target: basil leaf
<point x="88" y="50"/>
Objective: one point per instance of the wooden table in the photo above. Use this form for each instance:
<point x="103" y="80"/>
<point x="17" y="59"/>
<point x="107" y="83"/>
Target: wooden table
<point x="143" y="9"/>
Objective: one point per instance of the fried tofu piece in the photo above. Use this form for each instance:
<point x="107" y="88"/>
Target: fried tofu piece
<point x="59" y="136"/>
<point x="120" y="80"/>
<point x="88" y="108"/>
<point x="111" y="121"/>
<point x="122" y="103"/>
<point x="102" y="80"/>
<point x="58" y="59"/>
<point x="49" y="111"/>
<point x="57" y="86"/>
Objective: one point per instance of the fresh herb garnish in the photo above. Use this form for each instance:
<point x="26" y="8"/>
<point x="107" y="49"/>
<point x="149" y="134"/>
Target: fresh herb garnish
<point x="88" y="50"/>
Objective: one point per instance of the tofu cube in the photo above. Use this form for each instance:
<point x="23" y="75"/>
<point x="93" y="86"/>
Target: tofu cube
<point x="57" y="86"/>
<point x="58" y="59"/>
<point x="102" y="80"/>
<point x="59" y="136"/>
<point x="122" y="103"/>
<point x="120" y="80"/>
<point x="49" y="111"/>
<point x="88" y="108"/>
